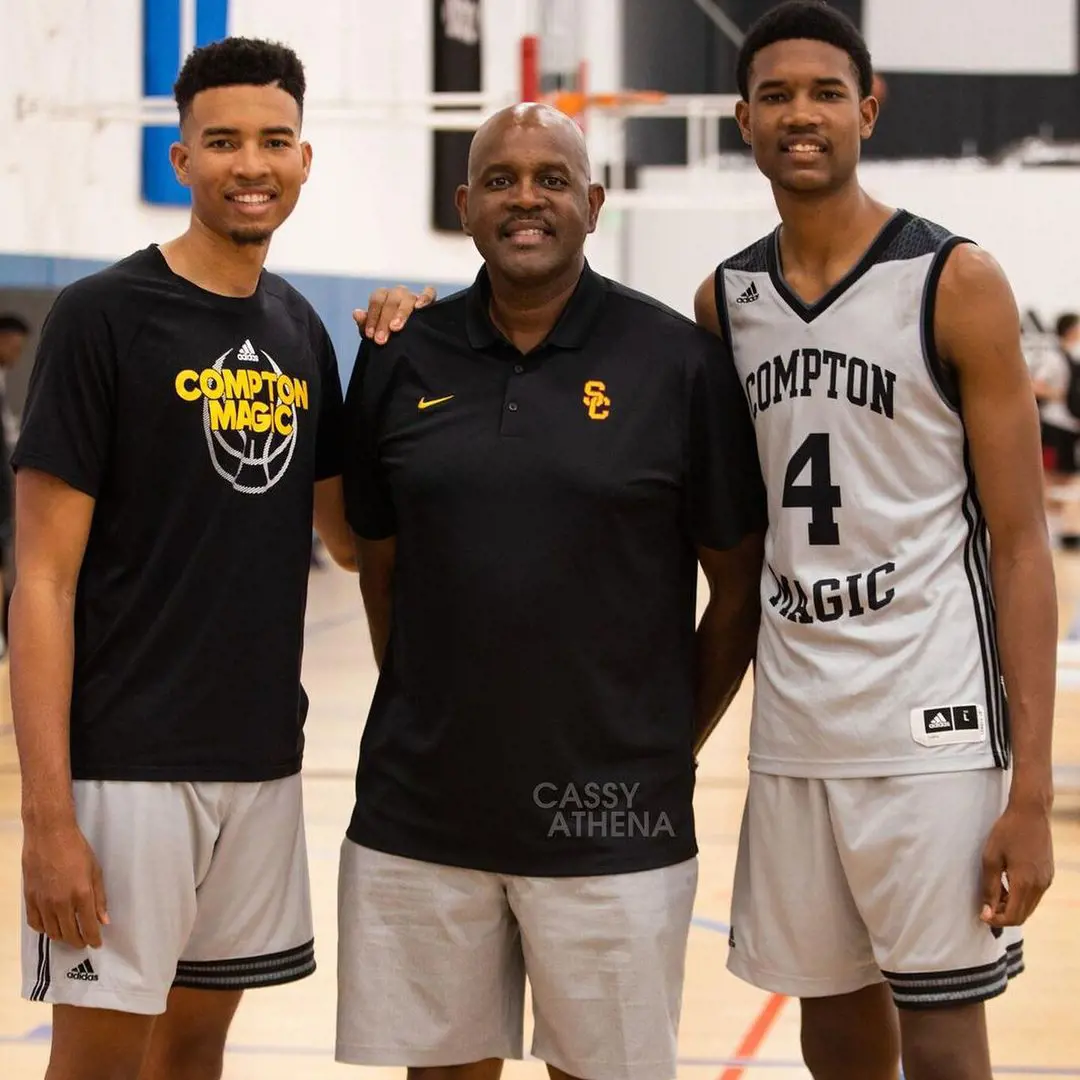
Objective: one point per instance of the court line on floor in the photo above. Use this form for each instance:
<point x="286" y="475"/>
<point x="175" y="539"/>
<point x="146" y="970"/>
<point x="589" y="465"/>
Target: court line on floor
<point x="755" y="1035"/>
<point x="758" y="1031"/>
<point x="41" y="1034"/>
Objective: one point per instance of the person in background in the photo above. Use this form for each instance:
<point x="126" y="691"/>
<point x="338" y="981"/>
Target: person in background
<point x="14" y="333"/>
<point x="1052" y="370"/>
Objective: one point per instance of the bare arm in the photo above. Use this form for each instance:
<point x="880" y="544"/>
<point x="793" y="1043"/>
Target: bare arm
<point x="727" y="633"/>
<point x="977" y="329"/>
<point x="52" y="526"/>
<point x="330" y="522"/>
<point x="705" y="313"/>
<point x="376" y="563"/>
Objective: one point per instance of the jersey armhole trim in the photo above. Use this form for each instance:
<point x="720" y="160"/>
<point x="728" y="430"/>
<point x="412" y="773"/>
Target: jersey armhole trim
<point x="941" y="375"/>
<point x="720" y="297"/>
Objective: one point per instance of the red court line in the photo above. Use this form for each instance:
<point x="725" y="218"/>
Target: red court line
<point x="755" y="1036"/>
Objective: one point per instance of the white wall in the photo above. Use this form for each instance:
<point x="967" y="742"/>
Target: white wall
<point x="71" y="186"/>
<point x="1026" y="218"/>
<point x="985" y="36"/>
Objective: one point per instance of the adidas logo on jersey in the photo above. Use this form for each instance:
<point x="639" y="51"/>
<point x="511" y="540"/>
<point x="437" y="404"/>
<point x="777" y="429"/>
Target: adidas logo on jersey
<point x="951" y="718"/>
<point x="748" y="296"/>
<point x="83" y="972"/>
<point x="944" y="725"/>
<point x="247" y="354"/>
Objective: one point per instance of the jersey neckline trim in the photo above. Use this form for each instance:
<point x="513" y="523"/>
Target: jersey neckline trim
<point x="809" y="312"/>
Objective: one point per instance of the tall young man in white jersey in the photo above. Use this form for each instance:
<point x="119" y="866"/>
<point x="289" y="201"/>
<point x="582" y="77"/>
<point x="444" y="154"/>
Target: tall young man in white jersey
<point x="898" y="436"/>
<point x="181" y="435"/>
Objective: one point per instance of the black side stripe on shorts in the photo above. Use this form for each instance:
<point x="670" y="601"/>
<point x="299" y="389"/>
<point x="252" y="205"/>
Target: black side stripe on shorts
<point x="41" y="986"/>
<point x="981" y="599"/>
<point x="1014" y="957"/>
<point x="932" y="990"/>
<point x="247" y="973"/>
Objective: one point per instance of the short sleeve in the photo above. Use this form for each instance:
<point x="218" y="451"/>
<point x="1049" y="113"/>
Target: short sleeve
<point x="369" y="505"/>
<point x="725" y="489"/>
<point x="70" y="412"/>
<point x="329" y="447"/>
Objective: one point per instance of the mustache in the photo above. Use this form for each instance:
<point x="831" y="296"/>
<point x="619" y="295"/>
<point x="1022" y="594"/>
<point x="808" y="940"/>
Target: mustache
<point x="540" y="221"/>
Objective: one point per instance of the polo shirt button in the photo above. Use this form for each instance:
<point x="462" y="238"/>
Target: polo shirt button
<point x="518" y="369"/>
<point x="512" y="406"/>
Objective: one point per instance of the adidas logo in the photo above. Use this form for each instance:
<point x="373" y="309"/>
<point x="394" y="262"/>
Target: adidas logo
<point x="83" y="972"/>
<point x="247" y="354"/>
<point x="938" y="722"/>
<point x="748" y="296"/>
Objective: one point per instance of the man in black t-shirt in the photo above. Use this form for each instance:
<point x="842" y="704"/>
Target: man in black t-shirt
<point x="181" y="435"/>
<point x="536" y="467"/>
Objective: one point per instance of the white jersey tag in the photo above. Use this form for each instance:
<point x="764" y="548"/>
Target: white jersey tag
<point x="947" y="724"/>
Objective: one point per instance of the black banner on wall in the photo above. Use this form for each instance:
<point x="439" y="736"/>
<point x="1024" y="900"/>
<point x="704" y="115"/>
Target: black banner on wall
<point x="457" y="55"/>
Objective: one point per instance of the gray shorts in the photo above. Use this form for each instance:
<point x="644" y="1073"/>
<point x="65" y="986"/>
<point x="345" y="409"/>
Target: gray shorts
<point x="843" y="883"/>
<point x="432" y="962"/>
<point x="207" y="888"/>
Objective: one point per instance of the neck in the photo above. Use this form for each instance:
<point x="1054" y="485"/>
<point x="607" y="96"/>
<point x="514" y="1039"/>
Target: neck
<point x="526" y="314"/>
<point x="816" y="227"/>
<point x="214" y="262"/>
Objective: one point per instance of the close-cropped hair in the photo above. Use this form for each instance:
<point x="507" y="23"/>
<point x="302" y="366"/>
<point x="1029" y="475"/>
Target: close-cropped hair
<point x="811" y="20"/>
<point x="238" y="61"/>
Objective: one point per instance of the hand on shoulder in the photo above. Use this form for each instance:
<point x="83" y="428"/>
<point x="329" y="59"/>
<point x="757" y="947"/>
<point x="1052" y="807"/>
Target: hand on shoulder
<point x="388" y="310"/>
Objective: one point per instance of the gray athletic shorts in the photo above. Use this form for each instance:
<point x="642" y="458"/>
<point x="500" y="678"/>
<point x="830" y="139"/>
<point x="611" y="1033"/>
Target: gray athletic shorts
<point x="206" y="886"/>
<point x="432" y="962"/>
<point x="840" y="884"/>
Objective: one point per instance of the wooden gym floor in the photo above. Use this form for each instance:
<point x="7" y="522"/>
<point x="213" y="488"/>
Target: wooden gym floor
<point x="729" y="1030"/>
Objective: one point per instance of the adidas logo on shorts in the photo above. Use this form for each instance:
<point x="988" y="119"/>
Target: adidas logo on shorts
<point x="83" y="972"/>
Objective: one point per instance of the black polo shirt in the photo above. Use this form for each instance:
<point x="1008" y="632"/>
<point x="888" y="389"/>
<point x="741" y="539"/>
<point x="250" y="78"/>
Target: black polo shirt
<point x="535" y="710"/>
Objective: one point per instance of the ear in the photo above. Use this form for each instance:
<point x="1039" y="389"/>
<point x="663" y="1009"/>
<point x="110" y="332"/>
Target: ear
<point x="597" y="194"/>
<point x="742" y="118"/>
<point x="869" y="110"/>
<point x="305" y="153"/>
<point x="179" y="158"/>
<point x="461" y="201"/>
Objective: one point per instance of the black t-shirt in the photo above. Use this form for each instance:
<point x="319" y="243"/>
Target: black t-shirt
<point x="199" y="423"/>
<point x="535" y="710"/>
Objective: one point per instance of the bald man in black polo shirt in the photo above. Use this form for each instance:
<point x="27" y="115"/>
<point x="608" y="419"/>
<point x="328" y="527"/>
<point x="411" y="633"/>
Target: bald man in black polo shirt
<point x="537" y="467"/>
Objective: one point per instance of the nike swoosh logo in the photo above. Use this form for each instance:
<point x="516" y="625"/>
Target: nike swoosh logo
<point x="423" y="403"/>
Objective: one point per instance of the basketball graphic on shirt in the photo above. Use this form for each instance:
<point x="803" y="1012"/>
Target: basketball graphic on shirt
<point x="251" y="412"/>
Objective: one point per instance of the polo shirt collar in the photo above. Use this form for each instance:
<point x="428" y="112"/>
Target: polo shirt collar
<point x="572" y="329"/>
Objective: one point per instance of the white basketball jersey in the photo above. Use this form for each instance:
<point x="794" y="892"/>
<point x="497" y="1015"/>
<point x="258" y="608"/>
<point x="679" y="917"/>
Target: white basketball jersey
<point x="877" y="653"/>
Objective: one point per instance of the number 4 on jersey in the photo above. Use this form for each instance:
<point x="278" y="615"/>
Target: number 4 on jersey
<point x="820" y="496"/>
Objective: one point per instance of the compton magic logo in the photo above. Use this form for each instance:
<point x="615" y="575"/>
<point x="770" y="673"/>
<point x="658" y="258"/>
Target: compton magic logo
<point x="251" y="416"/>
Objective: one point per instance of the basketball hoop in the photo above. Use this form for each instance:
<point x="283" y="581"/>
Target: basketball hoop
<point x="576" y="103"/>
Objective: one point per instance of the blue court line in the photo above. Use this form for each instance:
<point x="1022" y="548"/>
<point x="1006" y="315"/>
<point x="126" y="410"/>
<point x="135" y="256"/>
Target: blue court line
<point x="711" y="924"/>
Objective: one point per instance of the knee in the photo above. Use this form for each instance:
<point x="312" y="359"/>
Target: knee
<point x="929" y="1058"/>
<point x="870" y="1056"/>
<point x="197" y="1057"/>
<point x="946" y="1043"/>
<point x="851" y="1036"/>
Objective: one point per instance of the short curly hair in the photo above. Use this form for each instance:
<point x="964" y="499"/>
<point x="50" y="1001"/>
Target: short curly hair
<point x="807" y="19"/>
<point x="238" y="61"/>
